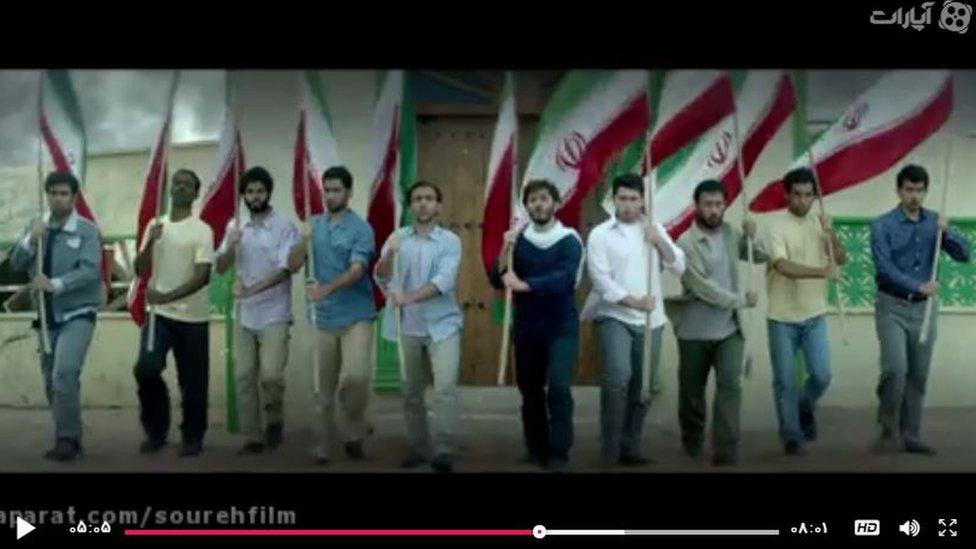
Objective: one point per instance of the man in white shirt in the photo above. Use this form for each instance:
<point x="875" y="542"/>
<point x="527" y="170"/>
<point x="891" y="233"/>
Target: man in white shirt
<point x="620" y="250"/>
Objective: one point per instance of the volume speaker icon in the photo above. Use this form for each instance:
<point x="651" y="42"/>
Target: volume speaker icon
<point x="910" y="528"/>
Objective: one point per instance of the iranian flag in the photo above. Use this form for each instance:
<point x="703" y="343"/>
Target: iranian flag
<point x="153" y="197"/>
<point x="394" y="157"/>
<point x="219" y="202"/>
<point x="877" y="130"/>
<point x="316" y="148"/>
<point x="501" y="182"/>
<point x="764" y="101"/>
<point x="592" y="116"/>
<point x="62" y="128"/>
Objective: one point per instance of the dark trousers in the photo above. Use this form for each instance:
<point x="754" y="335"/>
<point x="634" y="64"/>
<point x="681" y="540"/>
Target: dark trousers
<point x="696" y="359"/>
<point x="190" y="343"/>
<point x="545" y="361"/>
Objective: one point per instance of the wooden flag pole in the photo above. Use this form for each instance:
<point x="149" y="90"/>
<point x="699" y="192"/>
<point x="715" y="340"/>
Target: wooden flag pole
<point x="750" y="279"/>
<point x="397" y="316"/>
<point x="650" y="184"/>
<point x="510" y="257"/>
<point x="41" y="307"/>
<point x="310" y="266"/>
<point x="930" y="300"/>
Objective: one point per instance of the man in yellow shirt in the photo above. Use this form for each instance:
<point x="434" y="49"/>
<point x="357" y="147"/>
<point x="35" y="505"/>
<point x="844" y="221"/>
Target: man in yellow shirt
<point x="178" y="291"/>
<point x="796" y="284"/>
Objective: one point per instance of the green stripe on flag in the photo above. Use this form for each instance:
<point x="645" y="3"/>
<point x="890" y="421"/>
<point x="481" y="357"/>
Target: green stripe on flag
<point x="314" y="80"/>
<point x="387" y="361"/>
<point x="222" y="302"/>
<point x="64" y="91"/>
<point x="800" y="135"/>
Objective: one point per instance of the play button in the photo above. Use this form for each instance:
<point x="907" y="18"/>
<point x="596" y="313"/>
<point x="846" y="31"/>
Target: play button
<point x="23" y="528"/>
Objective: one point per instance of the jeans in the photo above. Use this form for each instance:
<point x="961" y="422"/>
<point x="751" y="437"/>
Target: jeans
<point x="444" y="360"/>
<point x="62" y="373"/>
<point x="785" y="339"/>
<point x="696" y="359"/>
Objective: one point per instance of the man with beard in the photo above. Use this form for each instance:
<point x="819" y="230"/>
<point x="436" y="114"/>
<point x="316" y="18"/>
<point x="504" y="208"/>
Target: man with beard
<point x="548" y="261"/>
<point x="178" y="291"/>
<point x="71" y="289"/>
<point x="619" y="252"/>
<point x="427" y="259"/>
<point x="709" y="327"/>
<point x="260" y="248"/>
<point x="796" y="284"/>
<point x="903" y="244"/>
<point x="342" y="249"/>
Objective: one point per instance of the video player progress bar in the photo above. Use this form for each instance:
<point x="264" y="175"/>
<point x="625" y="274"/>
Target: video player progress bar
<point x="538" y="532"/>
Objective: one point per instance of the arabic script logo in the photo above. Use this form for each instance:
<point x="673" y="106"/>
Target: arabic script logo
<point x="721" y="151"/>
<point x="955" y="16"/>
<point x="570" y="154"/>
<point x="853" y="118"/>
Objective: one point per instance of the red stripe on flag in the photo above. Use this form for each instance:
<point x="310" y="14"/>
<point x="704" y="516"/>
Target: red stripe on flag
<point x="630" y="124"/>
<point x="218" y="207"/>
<point x="706" y="110"/>
<point x="381" y="214"/>
<point x="498" y="209"/>
<point x="303" y="175"/>
<point x="865" y="159"/>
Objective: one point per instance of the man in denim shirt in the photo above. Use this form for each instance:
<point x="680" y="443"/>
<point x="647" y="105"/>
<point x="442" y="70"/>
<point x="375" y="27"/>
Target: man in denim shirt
<point x="423" y="287"/>
<point x="72" y="295"/>
<point x="342" y="247"/>
<point x="903" y="244"/>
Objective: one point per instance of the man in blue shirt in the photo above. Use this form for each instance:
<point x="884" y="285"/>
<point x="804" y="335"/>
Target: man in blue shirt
<point x="548" y="262"/>
<point x="903" y="244"/>
<point x="342" y="248"/>
<point x="427" y="258"/>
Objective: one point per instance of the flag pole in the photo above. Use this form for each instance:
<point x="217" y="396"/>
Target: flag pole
<point x="750" y="279"/>
<point x="160" y="191"/>
<point x="41" y="307"/>
<point x="650" y="184"/>
<point x="929" y="301"/>
<point x="310" y="266"/>
<point x="232" y="419"/>
<point x="510" y="257"/>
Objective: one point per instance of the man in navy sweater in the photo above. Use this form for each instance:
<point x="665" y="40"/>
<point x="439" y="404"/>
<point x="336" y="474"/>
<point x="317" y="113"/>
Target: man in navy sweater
<point x="548" y="260"/>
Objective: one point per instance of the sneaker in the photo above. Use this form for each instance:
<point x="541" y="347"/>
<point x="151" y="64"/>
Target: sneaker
<point x="918" y="447"/>
<point x="151" y="446"/>
<point x="191" y="449"/>
<point x="251" y="448"/>
<point x="413" y="460"/>
<point x="354" y="449"/>
<point x="65" y="449"/>
<point x="794" y="448"/>
<point x="808" y="424"/>
<point x="443" y="463"/>
<point x="273" y="435"/>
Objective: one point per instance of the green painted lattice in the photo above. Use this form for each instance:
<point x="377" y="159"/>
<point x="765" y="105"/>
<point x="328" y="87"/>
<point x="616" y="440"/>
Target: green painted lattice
<point x="958" y="279"/>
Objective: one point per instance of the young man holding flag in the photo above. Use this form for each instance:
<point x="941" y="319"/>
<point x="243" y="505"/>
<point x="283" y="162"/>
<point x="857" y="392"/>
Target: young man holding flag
<point x="260" y="248"/>
<point x="619" y="252"/>
<point x="71" y="285"/>
<point x="903" y="244"/>
<point x="427" y="259"/>
<point x="177" y="297"/>
<point x="548" y="264"/>
<point x="344" y="312"/>
<point x="708" y="324"/>
<point x="796" y="283"/>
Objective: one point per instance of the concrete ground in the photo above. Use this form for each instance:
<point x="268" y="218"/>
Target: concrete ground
<point x="490" y="442"/>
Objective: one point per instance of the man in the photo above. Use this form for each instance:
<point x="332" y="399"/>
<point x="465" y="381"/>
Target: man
<point x="709" y="327"/>
<point x="619" y="252"/>
<point x="342" y="247"/>
<point x="72" y="293"/>
<point x="903" y="244"/>
<point x="178" y="251"/>
<point x="260" y="250"/>
<point x="426" y="258"/>
<point x="796" y="281"/>
<point x="548" y="262"/>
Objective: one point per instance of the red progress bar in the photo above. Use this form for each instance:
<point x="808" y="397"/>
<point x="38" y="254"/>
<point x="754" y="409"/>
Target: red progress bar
<point x="479" y="533"/>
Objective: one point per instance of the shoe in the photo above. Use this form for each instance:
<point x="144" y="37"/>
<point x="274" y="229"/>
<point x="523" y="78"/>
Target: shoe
<point x="273" y="435"/>
<point x="634" y="461"/>
<point x="65" y="449"/>
<point x="321" y="461"/>
<point x="794" y="448"/>
<point x="808" y="424"/>
<point x="354" y="449"/>
<point x="722" y="460"/>
<point x="251" y="448"/>
<point x="886" y="444"/>
<point x="443" y="463"/>
<point x="191" y="449"/>
<point x="413" y="460"/>
<point x="917" y="447"/>
<point x="558" y="465"/>
<point x="692" y="447"/>
<point x="531" y="459"/>
<point x="151" y="446"/>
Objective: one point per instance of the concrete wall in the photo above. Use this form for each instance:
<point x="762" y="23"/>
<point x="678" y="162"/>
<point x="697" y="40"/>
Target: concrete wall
<point x="268" y="102"/>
